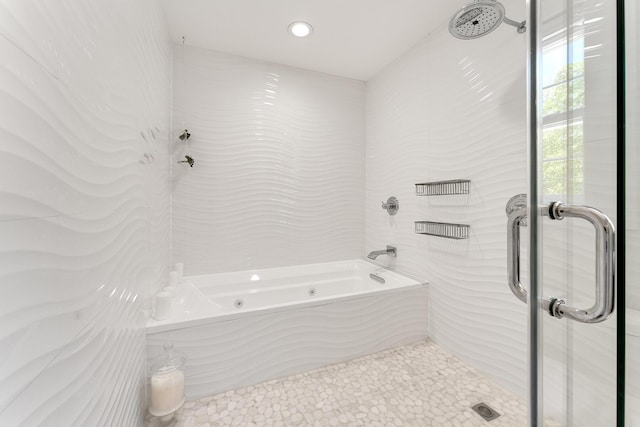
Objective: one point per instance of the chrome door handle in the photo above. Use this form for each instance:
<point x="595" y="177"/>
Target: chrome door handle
<point x="605" y="259"/>
<point x="517" y="216"/>
<point x="605" y="264"/>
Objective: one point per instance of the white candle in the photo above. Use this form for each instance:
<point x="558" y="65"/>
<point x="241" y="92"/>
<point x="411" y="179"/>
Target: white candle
<point x="179" y="268"/>
<point x="164" y="306"/>
<point x="167" y="392"/>
<point x="173" y="278"/>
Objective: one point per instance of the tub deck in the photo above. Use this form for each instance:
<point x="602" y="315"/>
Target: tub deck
<point x="221" y="297"/>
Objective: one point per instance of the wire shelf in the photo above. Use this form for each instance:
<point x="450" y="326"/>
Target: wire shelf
<point x="441" y="188"/>
<point x="443" y="229"/>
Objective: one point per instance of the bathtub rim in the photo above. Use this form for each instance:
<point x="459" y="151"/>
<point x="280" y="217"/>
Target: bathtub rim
<point x="153" y="327"/>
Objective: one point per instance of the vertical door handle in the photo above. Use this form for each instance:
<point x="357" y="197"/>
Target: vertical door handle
<point x="517" y="217"/>
<point x="604" y="304"/>
<point x="605" y="264"/>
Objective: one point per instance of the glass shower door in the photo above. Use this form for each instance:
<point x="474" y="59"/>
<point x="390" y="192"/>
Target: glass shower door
<point x="632" y="217"/>
<point x="574" y="193"/>
<point x="577" y="157"/>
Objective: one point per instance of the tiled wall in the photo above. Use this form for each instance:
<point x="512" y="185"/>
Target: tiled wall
<point x="279" y="164"/>
<point x="84" y="189"/>
<point x="84" y="206"/>
<point x="453" y="109"/>
<point x="457" y="109"/>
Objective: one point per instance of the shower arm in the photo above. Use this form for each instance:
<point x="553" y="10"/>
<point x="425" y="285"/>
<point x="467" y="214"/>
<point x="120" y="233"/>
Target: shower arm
<point x="521" y="26"/>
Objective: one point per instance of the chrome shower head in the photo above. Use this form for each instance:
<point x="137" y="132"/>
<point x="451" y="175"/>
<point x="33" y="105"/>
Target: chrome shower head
<point x="479" y="18"/>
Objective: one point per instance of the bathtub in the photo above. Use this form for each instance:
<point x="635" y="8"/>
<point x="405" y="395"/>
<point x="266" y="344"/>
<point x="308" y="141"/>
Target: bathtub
<point x="242" y="328"/>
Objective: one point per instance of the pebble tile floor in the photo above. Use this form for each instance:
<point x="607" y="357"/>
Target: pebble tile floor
<point x="415" y="385"/>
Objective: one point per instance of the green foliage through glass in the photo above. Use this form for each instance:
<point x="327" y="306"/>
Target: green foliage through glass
<point x="562" y="156"/>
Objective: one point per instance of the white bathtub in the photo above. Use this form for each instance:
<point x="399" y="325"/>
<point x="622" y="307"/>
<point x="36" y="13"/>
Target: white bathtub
<point x="242" y="328"/>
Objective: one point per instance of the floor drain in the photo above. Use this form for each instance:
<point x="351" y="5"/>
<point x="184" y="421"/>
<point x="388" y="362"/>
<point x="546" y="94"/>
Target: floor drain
<point x="485" y="411"/>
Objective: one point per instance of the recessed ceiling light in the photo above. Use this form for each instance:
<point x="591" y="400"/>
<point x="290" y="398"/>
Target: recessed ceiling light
<point x="300" y="29"/>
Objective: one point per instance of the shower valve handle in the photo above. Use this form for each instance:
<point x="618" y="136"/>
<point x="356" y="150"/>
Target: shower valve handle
<point x="392" y="205"/>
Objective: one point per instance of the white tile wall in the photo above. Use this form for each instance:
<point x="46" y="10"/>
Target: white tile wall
<point x="84" y="206"/>
<point x="279" y="164"/>
<point x="455" y="109"/>
<point x="278" y="180"/>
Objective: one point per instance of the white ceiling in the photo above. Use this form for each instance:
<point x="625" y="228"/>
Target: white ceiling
<point x="351" y="38"/>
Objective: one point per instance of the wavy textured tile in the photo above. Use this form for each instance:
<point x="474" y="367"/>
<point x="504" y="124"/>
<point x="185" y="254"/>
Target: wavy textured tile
<point x="457" y="117"/>
<point x="463" y="116"/>
<point x="258" y="347"/>
<point x="279" y="172"/>
<point x="84" y="199"/>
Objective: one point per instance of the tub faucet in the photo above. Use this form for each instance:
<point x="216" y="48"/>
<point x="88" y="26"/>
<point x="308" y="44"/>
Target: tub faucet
<point x="391" y="251"/>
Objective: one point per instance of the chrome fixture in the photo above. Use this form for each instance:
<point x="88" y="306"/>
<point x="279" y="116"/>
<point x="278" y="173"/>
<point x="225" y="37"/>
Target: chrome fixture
<point x="479" y="18"/>
<point x="392" y="206"/>
<point x="377" y="278"/>
<point x="188" y="159"/>
<point x="442" y="229"/>
<point x="443" y="188"/>
<point x="519" y="201"/>
<point x="391" y="251"/>
<point x="605" y="259"/>
<point x="485" y="411"/>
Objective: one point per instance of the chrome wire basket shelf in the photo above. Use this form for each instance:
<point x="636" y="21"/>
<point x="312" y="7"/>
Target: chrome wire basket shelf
<point x="442" y="188"/>
<point x="443" y="229"/>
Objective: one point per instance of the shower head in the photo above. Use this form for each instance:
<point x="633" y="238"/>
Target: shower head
<point x="479" y="18"/>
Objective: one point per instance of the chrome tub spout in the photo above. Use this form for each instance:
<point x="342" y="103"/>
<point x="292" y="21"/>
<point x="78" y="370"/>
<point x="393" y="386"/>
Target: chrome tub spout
<point x="391" y="251"/>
